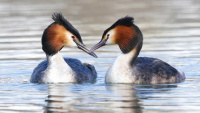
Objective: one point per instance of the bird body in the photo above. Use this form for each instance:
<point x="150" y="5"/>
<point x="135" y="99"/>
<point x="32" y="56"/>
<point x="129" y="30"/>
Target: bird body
<point x="145" y="70"/>
<point x="57" y="69"/>
<point x="63" y="70"/>
<point x="128" y="67"/>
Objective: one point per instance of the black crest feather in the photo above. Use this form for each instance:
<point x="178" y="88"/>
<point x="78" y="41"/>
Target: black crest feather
<point x="125" y="21"/>
<point x="129" y="22"/>
<point x="59" y="18"/>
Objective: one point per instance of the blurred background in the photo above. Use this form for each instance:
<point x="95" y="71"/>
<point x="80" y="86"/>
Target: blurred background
<point x="171" y="30"/>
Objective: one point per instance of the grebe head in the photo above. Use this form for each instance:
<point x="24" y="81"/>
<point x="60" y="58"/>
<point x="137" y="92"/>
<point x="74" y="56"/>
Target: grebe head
<point x="124" y="33"/>
<point x="59" y="34"/>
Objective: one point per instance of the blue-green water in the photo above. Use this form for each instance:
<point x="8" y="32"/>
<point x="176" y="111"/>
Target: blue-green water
<point x="171" y="30"/>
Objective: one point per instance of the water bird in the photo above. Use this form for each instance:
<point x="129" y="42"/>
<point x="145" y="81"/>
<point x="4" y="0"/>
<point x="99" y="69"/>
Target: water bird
<point x="57" y="69"/>
<point x="128" y="67"/>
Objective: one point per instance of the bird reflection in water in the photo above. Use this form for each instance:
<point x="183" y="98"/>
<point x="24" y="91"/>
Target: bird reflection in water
<point x="82" y="98"/>
<point x="124" y="98"/>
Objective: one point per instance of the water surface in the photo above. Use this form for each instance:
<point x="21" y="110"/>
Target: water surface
<point x="171" y="30"/>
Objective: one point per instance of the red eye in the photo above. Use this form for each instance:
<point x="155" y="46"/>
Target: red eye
<point x="73" y="37"/>
<point x="108" y="35"/>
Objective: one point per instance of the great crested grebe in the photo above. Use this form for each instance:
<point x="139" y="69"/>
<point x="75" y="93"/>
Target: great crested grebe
<point x="128" y="67"/>
<point x="57" y="69"/>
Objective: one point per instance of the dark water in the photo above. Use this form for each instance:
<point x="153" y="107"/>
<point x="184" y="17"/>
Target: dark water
<point x="171" y="30"/>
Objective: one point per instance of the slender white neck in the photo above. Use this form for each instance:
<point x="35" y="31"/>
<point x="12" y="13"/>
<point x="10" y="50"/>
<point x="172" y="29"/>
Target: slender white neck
<point x="56" y="58"/>
<point x="126" y="59"/>
<point x="57" y="62"/>
<point x="58" y="70"/>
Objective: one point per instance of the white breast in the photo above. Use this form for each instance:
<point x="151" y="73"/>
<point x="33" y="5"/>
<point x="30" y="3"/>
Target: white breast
<point x="58" y="70"/>
<point x="121" y="71"/>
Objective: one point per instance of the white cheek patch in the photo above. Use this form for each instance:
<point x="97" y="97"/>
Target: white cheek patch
<point x="69" y="42"/>
<point x="111" y="37"/>
<point x="109" y="41"/>
<point x="72" y="44"/>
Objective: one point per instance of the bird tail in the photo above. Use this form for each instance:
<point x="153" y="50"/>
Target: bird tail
<point x="183" y="75"/>
<point x="92" y="69"/>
